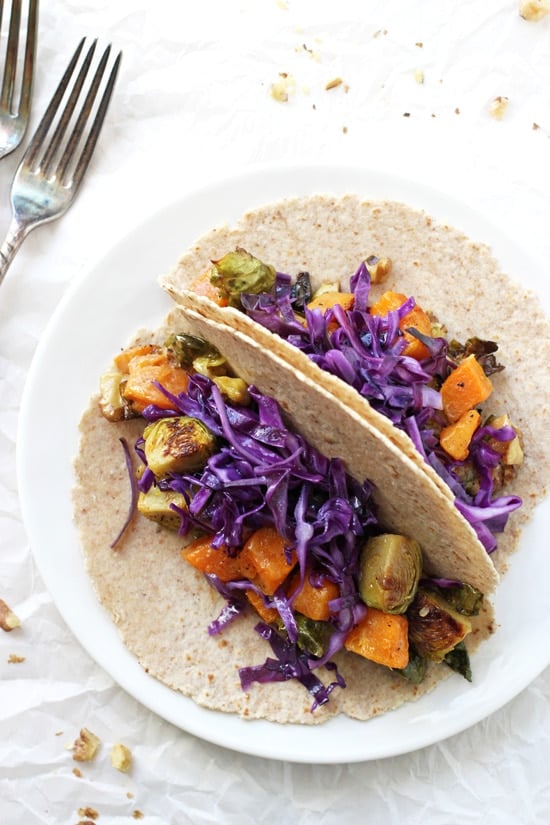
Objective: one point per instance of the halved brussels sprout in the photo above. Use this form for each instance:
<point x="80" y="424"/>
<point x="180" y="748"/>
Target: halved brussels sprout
<point x="435" y="627"/>
<point x="185" y="348"/>
<point x="155" y="505"/>
<point x="111" y="402"/>
<point x="239" y="272"/>
<point x="177" y="445"/>
<point x="465" y="598"/>
<point x="390" y="568"/>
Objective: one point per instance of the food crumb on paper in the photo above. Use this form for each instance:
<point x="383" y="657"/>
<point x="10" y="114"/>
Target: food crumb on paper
<point x="533" y="10"/>
<point x="419" y="76"/>
<point x="334" y="83"/>
<point x="121" y="757"/>
<point x="88" y="813"/>
<point x="77" y="772"/>
<point x="86" y="746"/>
<point x="14" y="659"/>
<point x="498" y="107"/>
<point x="283" y="88"/>
<point x="138" y="815"/>
<point x="8" y="620"/>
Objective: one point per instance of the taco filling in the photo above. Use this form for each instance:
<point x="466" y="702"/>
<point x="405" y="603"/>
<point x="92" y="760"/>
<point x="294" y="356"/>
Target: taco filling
<point x="399" y="358"/>
<point x="277" y="529"/>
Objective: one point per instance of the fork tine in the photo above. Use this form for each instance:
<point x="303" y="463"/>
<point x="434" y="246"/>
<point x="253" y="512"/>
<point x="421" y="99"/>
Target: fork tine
<point x="83" y="115"/>
<point x="53" y="106"/>
<point x="47" y="160"/>
<point x="28" y="66"/>
<point x="97" y="124"/>
<point x="11" y="55"/>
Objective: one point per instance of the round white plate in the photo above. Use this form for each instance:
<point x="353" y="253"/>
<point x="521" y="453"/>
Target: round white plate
<point x="99" y="312"/>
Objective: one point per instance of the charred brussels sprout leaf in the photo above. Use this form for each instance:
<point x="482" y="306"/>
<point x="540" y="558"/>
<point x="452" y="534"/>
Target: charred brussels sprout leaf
<point x="313" y="636"/>
<point x="435" y="627"/>
<point x="459" y="661"/>
<point x="390" y="569"/>
<point x="416" y="668"/>
<point x="301" y="292"/>
<point x="177" y="445"/>
<point x="239" y="272"/>
<point x="484" y="352"/>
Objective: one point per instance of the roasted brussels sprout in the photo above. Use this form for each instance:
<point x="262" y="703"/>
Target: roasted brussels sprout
<point x="435" y="627"/>
<point x="155" y="504"/>
<point x="239" y="272"/>
<point x="233" y="389"/>
<point x="185" y="348"/>
<point x="464" y="598"/>
<point x="177" y="445"/>
<point x="111" y="402"/>
<point x="211" y="364"/>
<point x="390" y="569"/>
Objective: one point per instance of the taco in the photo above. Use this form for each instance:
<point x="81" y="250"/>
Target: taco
<point x="328" y="592"/>
<point x="309" y="279"/>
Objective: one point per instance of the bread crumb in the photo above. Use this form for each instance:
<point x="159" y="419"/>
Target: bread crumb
<point x="534" y="9"/>
<point x="419" y="76"/>
<point x="283" y="88"/>
<point x="77" y="772"/>
<point x="121" y="757"/>
<point x="8" y="619"/>
<point x="334" y="83"/>
<point x="498" y="107"/>
<point x="14" y="659"/>
<point x="85" y="748"/>
<point x="89" y="813"/>
<point x="138" y="815"/>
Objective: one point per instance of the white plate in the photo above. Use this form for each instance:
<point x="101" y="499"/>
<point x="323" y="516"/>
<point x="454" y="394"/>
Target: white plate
<point x="98" y="313"/>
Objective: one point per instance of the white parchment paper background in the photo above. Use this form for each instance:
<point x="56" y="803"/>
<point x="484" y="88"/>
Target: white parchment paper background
<point x="193" y="103"/>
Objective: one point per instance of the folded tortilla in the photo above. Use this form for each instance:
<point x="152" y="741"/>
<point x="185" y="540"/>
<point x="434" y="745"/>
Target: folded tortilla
<point x="162" y="606"/>
<point x="447" y="273"/>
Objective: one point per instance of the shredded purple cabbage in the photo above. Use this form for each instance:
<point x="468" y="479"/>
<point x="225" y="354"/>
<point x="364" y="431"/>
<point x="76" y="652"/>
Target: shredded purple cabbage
<point x="265" y="475"/>
<point x="133" y="493"/>
<point x="366" y="351"/>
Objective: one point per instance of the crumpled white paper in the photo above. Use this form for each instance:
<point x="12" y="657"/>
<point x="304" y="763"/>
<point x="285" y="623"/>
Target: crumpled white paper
<point x="193" y="103"/>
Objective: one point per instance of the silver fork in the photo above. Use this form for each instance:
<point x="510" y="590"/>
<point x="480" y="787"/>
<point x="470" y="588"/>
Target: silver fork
<point x="52" y="168"/>
<point x="14" y="114"/>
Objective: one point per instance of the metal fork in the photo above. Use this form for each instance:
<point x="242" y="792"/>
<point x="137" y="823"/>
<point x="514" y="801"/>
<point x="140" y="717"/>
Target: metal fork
<point x="51" y="170"/>
<point x="14" y="114"/>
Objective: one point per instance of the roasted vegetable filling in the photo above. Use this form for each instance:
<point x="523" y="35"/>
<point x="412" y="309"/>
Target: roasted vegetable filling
<point x="277" y="528"/>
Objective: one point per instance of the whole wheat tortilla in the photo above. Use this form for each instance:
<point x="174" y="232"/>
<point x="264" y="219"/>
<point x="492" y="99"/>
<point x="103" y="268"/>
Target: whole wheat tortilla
<point x="162" y="606"/>
<point x="449" y="274"/>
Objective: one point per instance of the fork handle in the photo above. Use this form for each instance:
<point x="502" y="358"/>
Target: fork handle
<point x="16" y="234"/>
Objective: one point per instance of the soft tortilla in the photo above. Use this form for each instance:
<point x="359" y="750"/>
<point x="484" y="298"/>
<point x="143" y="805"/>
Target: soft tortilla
<point x="447" y="273"/>
<point x="162" y="606"/>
